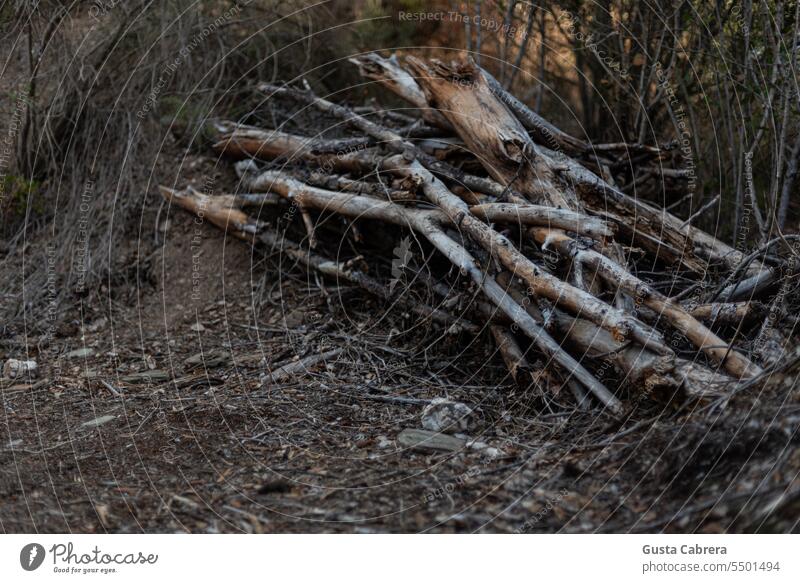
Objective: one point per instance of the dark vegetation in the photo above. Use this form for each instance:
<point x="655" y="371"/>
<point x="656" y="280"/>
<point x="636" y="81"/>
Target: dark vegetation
<point x="101" y="102"/>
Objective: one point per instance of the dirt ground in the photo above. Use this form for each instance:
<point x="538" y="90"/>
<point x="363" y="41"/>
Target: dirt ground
<point x="215" y="445"/>
<point x="154" y="411"/>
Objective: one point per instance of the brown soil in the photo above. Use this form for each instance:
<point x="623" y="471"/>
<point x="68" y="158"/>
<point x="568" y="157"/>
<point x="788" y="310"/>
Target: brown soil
<point x="219" y="448"/>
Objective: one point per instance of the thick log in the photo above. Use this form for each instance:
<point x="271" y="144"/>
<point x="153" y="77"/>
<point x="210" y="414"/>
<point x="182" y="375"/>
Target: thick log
<point x="566" y="207"/>
<point x="490" y="130"/>
<point x="343" y="203"/>
<point x="643" y="369"/>
<point x="529" y="214"/>
<point x="653" y="229"/>
<point x="391" y="75"/>
<point x="513" y="356"/>
<point x="461" y="92"/>
<point x="543" y="341"/>
<point x="248" y="142"/>
<point x="671" y="311"/>
<point x="220" y="213"/>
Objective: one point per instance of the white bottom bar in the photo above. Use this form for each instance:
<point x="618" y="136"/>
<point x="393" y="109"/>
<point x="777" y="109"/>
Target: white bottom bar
<point x="389" y="558"/>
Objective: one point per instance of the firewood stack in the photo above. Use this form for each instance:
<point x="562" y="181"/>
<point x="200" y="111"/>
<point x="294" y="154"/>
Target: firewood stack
<point x="531" y="218"/>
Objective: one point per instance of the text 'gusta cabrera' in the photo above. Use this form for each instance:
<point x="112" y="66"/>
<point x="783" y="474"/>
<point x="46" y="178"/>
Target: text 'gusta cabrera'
<point x="684" y="550"/>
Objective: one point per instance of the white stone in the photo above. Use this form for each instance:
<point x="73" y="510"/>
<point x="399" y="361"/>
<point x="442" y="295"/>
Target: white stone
<point x="14" y="369"/>
<point x="445" y="416"/>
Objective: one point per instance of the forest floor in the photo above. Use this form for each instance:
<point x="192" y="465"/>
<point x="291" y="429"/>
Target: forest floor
<point x="119" y="433"/>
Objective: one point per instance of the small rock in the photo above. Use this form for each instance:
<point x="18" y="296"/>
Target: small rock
<point x="14" y="368"/>
<point x="295" y="318"/>
<point x="97" y="325"/>
<point x="197" y="327"/>
<point x="103" y="514"/>
<point x="448" y="416"/>
<point x="147" y="376"/>
<point x="485" y="449"/>
<point x="384" y="442"/>
<point x="97" y="422"/>
<point x="80" y="353"/>
<point x="430" y="440"/>
<point x="208" y="359"/>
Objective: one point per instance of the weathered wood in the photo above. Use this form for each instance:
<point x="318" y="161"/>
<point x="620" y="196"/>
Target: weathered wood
<point x="671" y="311"/>
<point x="653" y="229"/>
<point x="643" y="369"/>
<point x="301" y="366"/>
<point x="220" y="213"/>
<point x="461" y="92"/>
<point x="392" y="76"/>
<point x="529" y="214"/>
<point x="728" y="312"/>
<point x="507" y="254"/>
<point x="512" y="355"/>
<point x="334" y="269"/>
<point x="479" y="117"/>
<point x="424" y="440"/>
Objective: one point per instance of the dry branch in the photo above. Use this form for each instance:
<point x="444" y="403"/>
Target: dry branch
<point x="541" y="282"/>
<point x="642" y="368"/>
<point x="392" y="76"/>
<point x="529" y="214"/>
<point x="567" y="285"/>
<point x="735" y="363"/>
<point x="653" y="229"/>
<point x="427" y="224"/>
<point x="462" y="92"/>
<point x="512" y="354"/>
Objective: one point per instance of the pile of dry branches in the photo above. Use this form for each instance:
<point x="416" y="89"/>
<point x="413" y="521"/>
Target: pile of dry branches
<point x="530" y="218"/>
